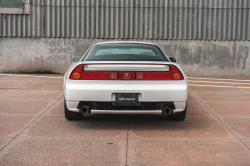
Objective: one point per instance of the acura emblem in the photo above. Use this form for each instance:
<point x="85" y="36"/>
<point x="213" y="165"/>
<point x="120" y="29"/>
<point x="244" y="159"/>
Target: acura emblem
<point x="126" y="76"/>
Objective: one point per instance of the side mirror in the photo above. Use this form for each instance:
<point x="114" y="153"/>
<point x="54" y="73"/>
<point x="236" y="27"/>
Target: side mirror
<point x="172" y="59"/>
<point x="76" y="58"/>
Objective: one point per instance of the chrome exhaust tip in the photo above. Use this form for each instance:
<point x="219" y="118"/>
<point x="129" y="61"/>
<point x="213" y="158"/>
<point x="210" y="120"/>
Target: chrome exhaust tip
<point x="85" y="110"/>
<point x="166" y="111"/>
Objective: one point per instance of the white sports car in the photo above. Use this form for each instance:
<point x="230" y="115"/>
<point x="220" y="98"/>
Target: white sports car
<point x="125" y="78"/>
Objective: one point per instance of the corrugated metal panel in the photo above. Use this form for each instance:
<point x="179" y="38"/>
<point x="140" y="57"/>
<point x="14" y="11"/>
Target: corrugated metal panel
<point x="132" y="19"/>
<point x="13" y="1"/>
<point x="18" y="25"/>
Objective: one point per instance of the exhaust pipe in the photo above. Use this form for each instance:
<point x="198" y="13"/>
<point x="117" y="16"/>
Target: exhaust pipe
<point x="166" y="111"/>
<point x="85" y="109"/>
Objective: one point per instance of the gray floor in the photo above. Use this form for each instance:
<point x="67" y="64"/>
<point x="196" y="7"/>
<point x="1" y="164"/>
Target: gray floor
<point x="33" y="130"/>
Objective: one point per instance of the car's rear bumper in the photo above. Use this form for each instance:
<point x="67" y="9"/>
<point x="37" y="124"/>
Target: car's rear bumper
<point x="104" y="90"/>
<point x="158" y="112"/>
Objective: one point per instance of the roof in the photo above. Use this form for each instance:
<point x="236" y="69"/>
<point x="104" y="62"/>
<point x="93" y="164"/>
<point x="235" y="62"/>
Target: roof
<point x="131" y="42"/>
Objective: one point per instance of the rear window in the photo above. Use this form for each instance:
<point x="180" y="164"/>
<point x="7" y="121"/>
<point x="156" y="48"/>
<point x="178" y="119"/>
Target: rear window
<point x="125" y="52"/>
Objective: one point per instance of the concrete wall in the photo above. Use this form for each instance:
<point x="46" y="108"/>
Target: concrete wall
<point x="198" y="58"/>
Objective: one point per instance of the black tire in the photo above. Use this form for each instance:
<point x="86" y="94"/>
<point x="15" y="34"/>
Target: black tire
<point x="178" y="116"/>
<point x="69" y="115"/>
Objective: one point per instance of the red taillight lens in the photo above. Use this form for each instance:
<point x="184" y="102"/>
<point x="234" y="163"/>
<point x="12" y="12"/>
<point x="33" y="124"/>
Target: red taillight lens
<point x="79" y="74"/>
<point x="176" y="74"/>
<point x="76" y="73"/>
<point x="93" y="75"/>
<point x="156" y="76"/>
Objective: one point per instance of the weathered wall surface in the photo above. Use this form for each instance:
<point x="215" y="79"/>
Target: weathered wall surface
<point x="209" y="37"/>
<point x="198" y="58"/>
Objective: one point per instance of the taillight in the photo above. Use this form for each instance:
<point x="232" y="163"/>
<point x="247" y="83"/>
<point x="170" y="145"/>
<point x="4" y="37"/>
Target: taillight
<point x="176" y="74"/>
<point x="76" y="73"/>
<point x="79" y="74"/>
<point x="153" y="75"/>
<point x="98" y="75"/>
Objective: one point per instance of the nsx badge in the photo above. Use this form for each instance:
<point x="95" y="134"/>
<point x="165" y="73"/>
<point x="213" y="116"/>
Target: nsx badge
<point x="126" y="76"/>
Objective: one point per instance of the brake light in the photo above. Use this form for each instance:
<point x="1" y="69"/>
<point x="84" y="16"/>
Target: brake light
<point x="79" y="74"/>
<point x="76" y="73"/>
<point x="153" y="75"/>
<point x="176" y="74"/>
<point x="93" y="75"/>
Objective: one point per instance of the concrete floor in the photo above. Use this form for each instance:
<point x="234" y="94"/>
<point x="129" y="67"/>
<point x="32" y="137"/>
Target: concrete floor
<point x="33" y="130"/>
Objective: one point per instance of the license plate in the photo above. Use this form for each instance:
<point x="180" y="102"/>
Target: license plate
<point x="126" y="99"/>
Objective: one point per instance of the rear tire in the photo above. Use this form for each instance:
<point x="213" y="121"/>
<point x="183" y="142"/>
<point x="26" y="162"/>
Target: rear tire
<point x="69" y="115"/>
<point x="178" y="116"/>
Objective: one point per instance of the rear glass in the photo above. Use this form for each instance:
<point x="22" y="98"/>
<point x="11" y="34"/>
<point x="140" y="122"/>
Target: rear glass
<point x="125" y="52"/>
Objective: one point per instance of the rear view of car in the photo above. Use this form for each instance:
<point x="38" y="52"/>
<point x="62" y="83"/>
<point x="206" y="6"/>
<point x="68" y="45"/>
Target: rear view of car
<point x="125" y="78"/>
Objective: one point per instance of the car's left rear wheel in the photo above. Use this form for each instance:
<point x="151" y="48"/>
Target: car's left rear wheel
<point x="69" y="115"/>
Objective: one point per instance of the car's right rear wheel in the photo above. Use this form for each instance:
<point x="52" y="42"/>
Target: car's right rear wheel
<point x="69" y="115"/>
<point x="178" y="116"/>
